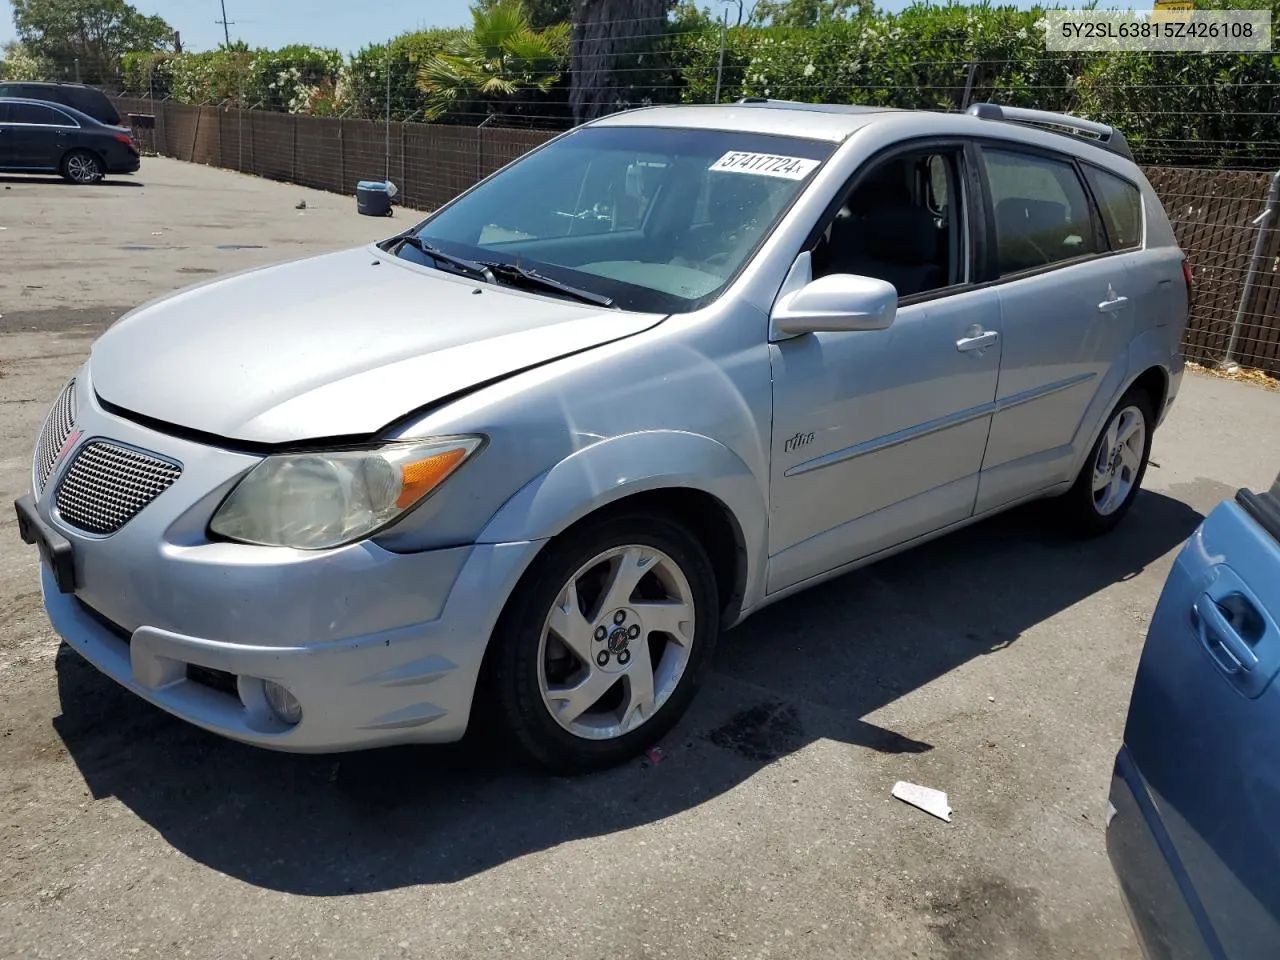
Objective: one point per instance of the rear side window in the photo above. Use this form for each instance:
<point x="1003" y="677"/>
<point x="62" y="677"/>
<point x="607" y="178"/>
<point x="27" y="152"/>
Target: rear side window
<point x="33" y="113"/>
<point x="1120" y="204"/>
<point x="1042" y="212"/>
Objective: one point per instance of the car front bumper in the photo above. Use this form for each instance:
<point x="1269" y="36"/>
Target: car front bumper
<point x="378" y="647"/>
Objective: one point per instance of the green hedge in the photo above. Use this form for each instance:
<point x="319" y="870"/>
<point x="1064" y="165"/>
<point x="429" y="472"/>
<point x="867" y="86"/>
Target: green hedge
<point x="368" y="73"/>
<point x="296" y="79"/>
<point x="1196" y="109"/>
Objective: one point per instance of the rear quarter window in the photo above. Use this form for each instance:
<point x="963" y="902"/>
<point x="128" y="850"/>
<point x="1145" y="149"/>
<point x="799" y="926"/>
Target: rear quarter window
<point x="1120" y="204"/>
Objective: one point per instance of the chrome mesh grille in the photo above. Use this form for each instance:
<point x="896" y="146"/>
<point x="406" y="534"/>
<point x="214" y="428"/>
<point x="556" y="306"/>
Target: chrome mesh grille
<point x="57" y="427"/>
<point x="107" y="484"/>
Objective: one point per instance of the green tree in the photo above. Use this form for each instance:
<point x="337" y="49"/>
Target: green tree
<point x="18" y="63"/>
<point x="808" y="13"/>
<point x="542" y="13"/>
<point x="502" y="62"/>
<point x="87" y="38"/>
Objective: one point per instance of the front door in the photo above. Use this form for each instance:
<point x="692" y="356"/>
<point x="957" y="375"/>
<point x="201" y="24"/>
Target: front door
<point x="1066" y="319"/>
<point x="878" y="436"/>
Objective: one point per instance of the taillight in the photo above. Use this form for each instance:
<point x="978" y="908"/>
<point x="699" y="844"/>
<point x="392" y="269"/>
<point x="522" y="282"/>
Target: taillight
<point x="1188" y="277"/>
<point x="125" y="139"/>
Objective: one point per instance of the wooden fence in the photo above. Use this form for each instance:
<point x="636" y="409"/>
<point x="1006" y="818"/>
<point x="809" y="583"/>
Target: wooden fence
<point x="1212" y="211"/>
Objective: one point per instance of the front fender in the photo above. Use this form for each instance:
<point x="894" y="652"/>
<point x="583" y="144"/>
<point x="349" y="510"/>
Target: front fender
<point x="608" y="471"/>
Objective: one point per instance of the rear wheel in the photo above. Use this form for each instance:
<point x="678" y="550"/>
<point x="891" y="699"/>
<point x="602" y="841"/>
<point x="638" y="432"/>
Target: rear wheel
<point x="83" y="166"/>
<point x="1109" y="480"/>
<point x="603" y="644"/>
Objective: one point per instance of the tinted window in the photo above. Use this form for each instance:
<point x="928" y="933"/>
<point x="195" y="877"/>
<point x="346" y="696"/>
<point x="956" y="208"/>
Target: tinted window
<point x="1120" y="204"/>
<point x="92" y="102"/>
<point x="1041" y="209"/>
<point x="32" y="113"/>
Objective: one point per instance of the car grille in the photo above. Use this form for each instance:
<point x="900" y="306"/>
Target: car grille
<point x="107" y="484"/>
<point x="57" y="427"/>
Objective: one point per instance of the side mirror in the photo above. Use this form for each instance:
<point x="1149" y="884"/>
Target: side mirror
<point x="839" y="301"/>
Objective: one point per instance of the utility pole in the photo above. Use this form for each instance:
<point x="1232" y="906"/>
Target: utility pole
<point x="226" y="24"/>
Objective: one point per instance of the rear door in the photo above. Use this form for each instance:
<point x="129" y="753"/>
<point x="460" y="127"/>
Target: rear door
<point x="1204" y="730"/>
<point x="1066" y="318"/>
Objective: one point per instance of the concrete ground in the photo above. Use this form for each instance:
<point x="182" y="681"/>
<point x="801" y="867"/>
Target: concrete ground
<point x="995" y="664"/>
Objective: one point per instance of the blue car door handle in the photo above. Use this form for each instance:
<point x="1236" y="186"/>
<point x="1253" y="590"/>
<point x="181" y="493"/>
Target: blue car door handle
<point x="1217" y="631"/>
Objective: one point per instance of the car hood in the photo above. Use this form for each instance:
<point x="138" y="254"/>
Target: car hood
<point x="337" y="345"/>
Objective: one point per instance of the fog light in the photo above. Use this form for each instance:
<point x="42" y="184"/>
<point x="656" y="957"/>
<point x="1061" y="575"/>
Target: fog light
<point x="282" y="703"/>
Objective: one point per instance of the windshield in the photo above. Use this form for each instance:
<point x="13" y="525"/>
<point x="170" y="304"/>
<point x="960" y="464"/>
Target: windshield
<point x="656" y="219"/>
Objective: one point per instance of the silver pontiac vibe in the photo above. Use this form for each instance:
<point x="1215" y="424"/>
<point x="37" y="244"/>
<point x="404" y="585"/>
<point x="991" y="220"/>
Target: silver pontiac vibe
<point x="531" y="456"/>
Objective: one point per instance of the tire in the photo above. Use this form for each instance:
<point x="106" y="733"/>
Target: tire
<point x="82" y="166"/>
<point x="572" y="711"/>
<point x="1092" y="511"/>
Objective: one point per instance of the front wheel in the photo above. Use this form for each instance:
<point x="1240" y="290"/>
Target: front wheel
<point x="1109" y="480"/>
<point x="81" y="166"/>
<point x="603" y="644"/>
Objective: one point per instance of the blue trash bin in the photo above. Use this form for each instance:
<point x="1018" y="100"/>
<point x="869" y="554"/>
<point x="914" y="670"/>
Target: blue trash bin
<point x="373" y="198"/>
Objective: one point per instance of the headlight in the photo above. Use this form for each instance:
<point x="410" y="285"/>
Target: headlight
<point x="317" y="500"/>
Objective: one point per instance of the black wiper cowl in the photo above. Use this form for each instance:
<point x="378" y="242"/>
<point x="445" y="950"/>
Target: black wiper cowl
<point x="435" y="253"/>
<point x="542" y="281"/>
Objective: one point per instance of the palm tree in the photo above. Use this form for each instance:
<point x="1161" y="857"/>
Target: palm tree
<point x="500" y="61"/>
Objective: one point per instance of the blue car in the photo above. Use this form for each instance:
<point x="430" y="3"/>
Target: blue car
<point x="1193" y="830"/>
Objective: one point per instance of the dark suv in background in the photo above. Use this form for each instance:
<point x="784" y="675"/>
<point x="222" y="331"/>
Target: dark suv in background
<point x="87" y="100"/>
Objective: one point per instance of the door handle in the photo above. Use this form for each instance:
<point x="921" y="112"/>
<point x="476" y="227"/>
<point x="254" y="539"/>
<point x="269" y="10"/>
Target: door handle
<point x="1112" y="305"/>
<point x="977" y="341"/>
<point x="1218" y="635"/>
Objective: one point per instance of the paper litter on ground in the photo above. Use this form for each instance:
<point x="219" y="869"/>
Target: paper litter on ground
<point x="926" y="798"/>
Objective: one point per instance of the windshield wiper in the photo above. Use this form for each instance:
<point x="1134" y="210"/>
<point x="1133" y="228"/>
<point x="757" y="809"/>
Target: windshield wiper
<point x="515" y="274"/>
<point x="435" y="253"/>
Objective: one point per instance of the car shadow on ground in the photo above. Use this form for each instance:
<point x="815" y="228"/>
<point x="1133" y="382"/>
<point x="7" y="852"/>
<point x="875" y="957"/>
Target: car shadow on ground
<point x="110" y="180"/>
<point x="807" y="668"/>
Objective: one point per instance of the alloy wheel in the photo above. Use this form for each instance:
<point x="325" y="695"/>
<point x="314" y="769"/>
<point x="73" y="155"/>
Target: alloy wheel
<point x="616" y="642"/>
<point x="1119" y="460"/>
<point x="82" y="168"/>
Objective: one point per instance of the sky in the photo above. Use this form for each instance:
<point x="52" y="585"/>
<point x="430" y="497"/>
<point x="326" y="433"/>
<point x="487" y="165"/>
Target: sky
<point x="340" y="24"/>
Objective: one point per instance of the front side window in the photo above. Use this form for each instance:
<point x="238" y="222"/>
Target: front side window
<point x="1120" y="204"/>
<point x="1042" y="213"/>
<point x="900" y="222"/>
<point x="656" y="219"/>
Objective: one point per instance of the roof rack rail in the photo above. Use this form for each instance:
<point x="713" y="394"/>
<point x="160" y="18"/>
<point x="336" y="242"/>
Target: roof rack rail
<point x="1090" y="131"/>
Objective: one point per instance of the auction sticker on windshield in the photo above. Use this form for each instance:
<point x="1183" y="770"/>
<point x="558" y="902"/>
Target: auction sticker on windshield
<point x="765" y="165"/>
